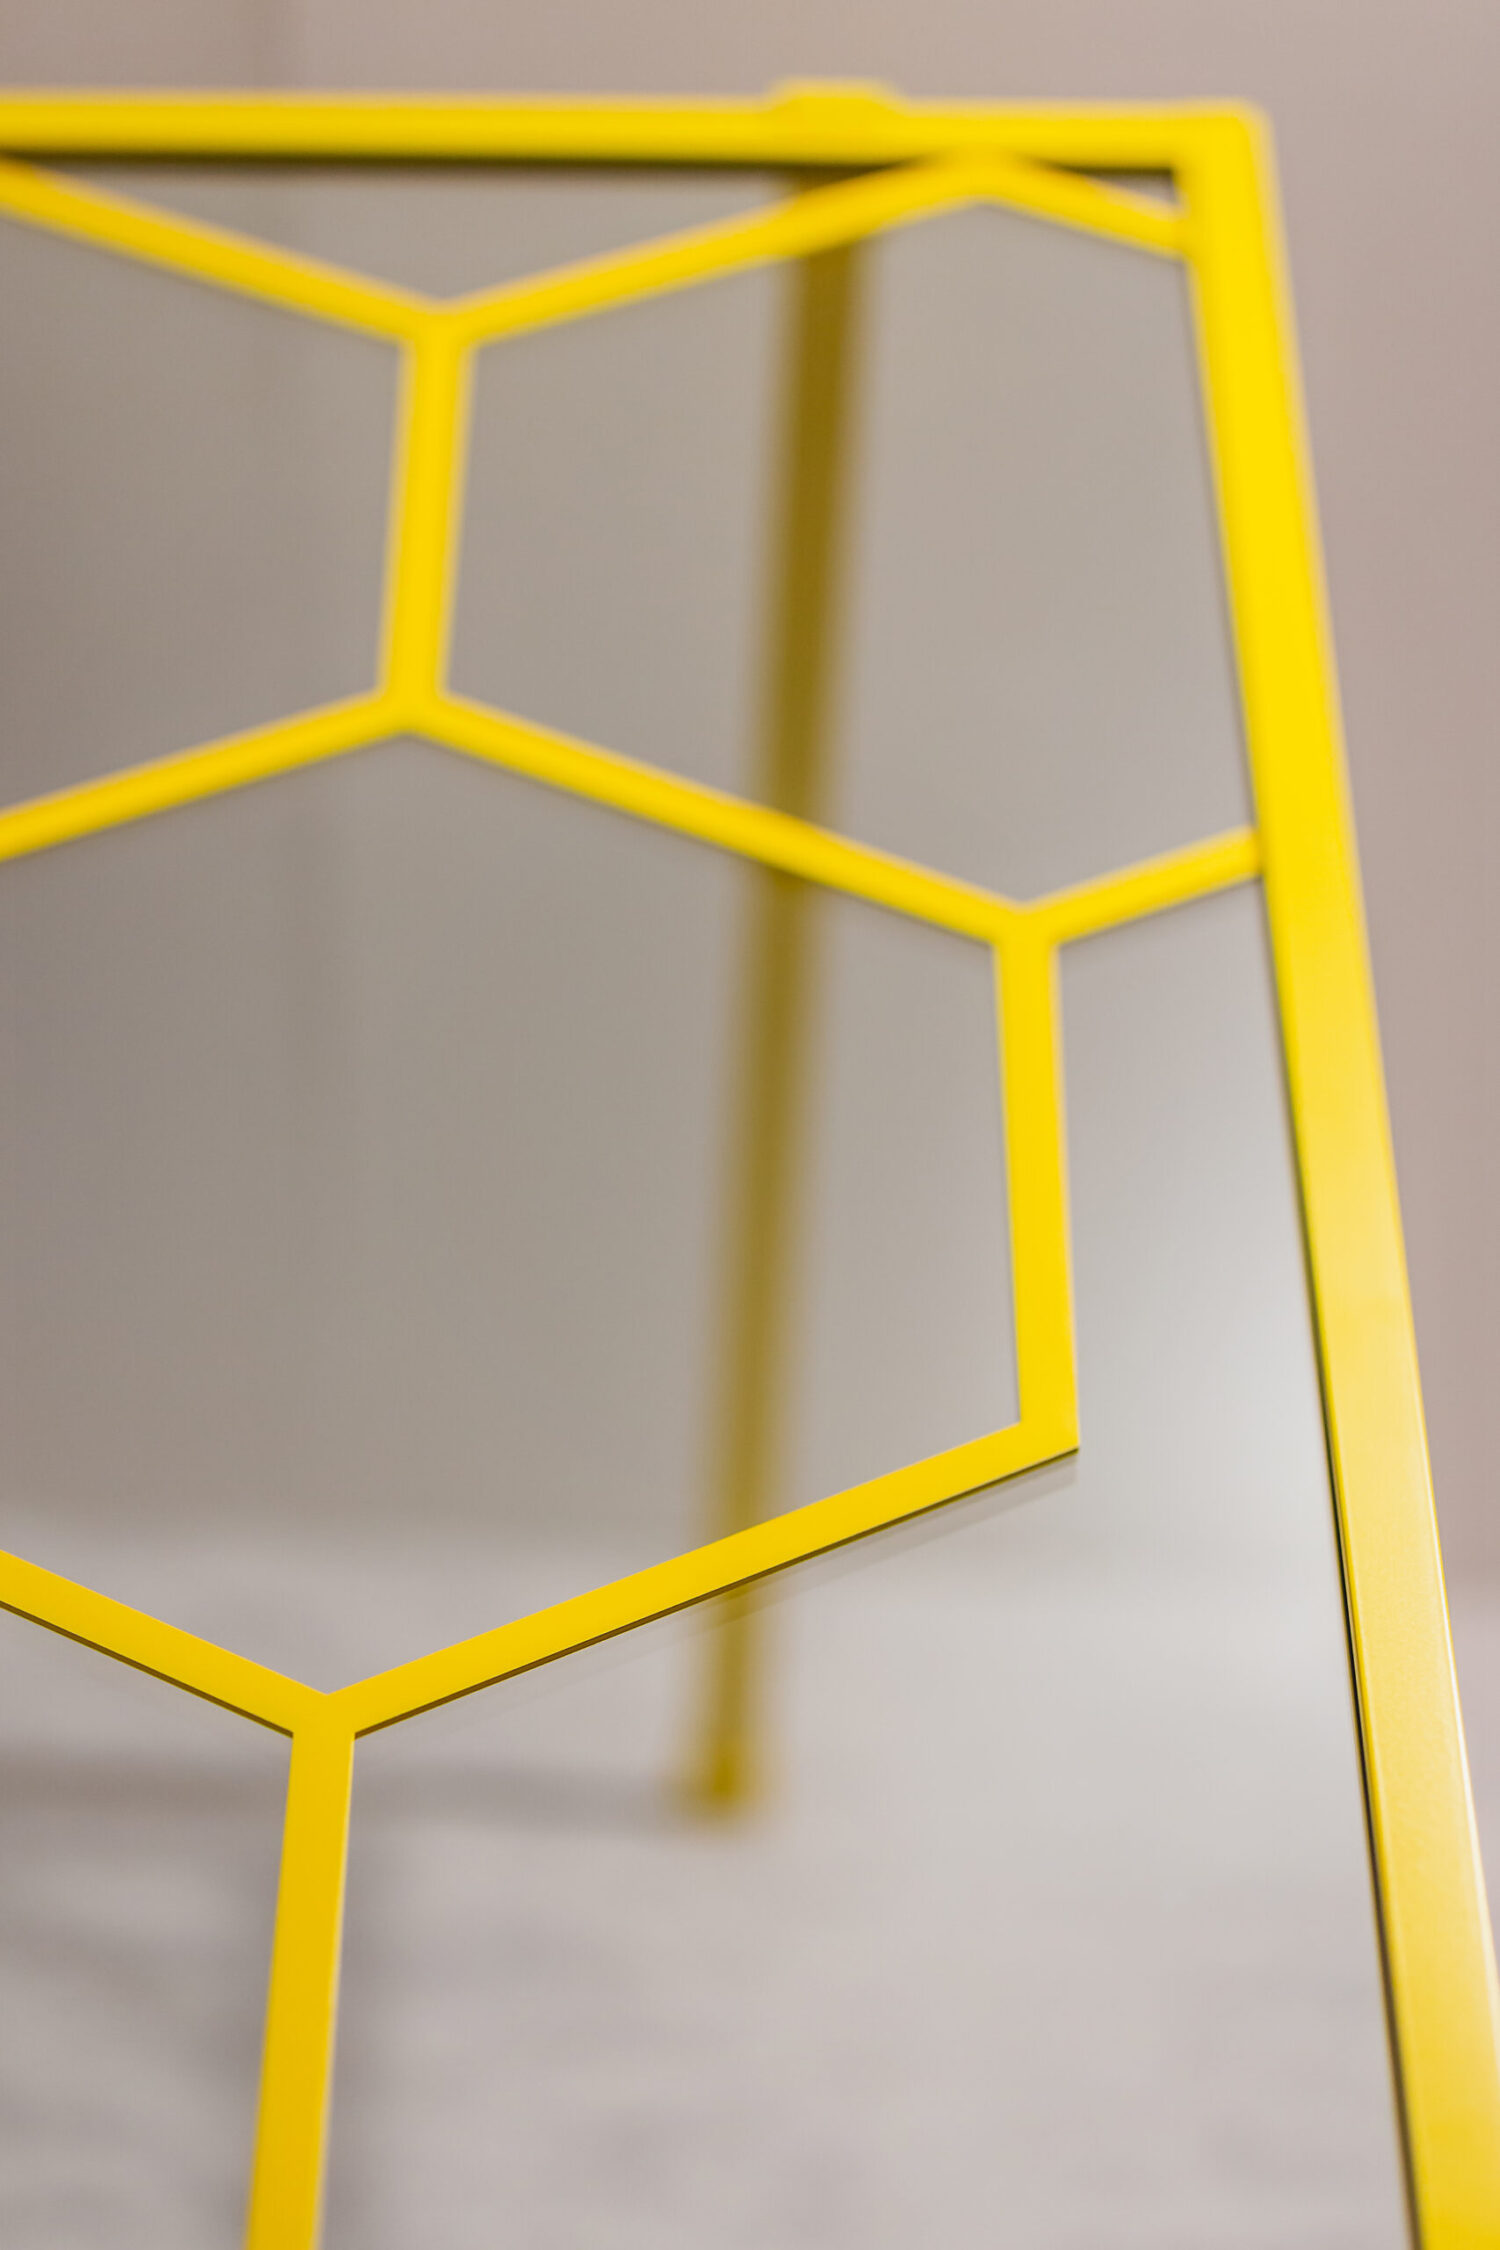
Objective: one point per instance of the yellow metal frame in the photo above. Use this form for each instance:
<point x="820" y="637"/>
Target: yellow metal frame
<point x="908" y="163"/>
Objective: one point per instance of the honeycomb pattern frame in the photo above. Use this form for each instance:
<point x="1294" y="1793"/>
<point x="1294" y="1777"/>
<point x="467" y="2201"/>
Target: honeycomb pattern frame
<point x="890" y="164"/>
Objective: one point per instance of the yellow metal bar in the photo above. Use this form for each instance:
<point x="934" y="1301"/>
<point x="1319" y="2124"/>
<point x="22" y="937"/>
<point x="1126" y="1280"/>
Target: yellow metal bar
<point x="694" y="1577"/>
<point x="794" y="126"/>
<point x="1440" y="1968"/>
<point x="1145" y="889"/>
<point x="1072" y="201"/>
<point x="148" y="1645"/>
<point x="297" y="2066"/>
<point x="426" y="517"/>
<point x="1036" y="1186"/>
<point x="820" y="219"/>
<point x="207" y="253"/>
<point x="756" y="832"/>
<point x="207" y="772"/>
<point x="496" y="738"/>
<point x="807" y="545"/>
<point x="798" y="227"/>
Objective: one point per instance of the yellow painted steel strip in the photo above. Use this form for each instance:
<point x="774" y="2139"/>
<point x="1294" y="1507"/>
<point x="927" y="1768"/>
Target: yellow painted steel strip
<point x="307" y="740"/>
<point x="647" y="792"/>
<point x="150" y="1646"/>
<point x="1436" y="1933"/>
<point x="426" y="514"/>
<point x="297" y="2065"/>
<point x="1036" y="1184"/>
<point x="800" y="124"/>
<point x="1076" y="202"/>
<point x="775" y="839"/>
<point x="821" y="219"/>
<point x="1147" y="888"/>
<point x="231" y="261"/>
<point x="693" y="1577"/>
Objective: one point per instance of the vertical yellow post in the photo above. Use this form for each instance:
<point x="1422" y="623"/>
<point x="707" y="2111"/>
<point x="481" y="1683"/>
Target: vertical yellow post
<point x="765" y="1158"/>
<point x="426" y="515"/>
<point x="1036" y="1185"/>
<point x="297" y="2068"/>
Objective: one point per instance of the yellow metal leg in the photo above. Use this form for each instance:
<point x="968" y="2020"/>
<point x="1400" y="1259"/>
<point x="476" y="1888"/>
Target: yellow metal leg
<point x="774" y="1056"/>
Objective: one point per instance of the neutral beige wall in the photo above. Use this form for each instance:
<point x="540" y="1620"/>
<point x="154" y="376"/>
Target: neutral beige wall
<point x="1391" y="174"/>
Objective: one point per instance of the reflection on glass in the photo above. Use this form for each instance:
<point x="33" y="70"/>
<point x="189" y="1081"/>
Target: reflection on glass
<point x="611" y="561"/>
<point x="137" y="1884"/>
<point x="362" y="1194"/>
<point x="1056" y="1903"/>
<point x="1041" y="682"/>
<point x="374" y="1155"/>
<point x="195" y="493"/>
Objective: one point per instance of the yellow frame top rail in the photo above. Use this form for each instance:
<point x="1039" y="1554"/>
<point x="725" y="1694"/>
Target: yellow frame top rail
<point x="798" y="125"/>
<point x="912" y="161"/>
